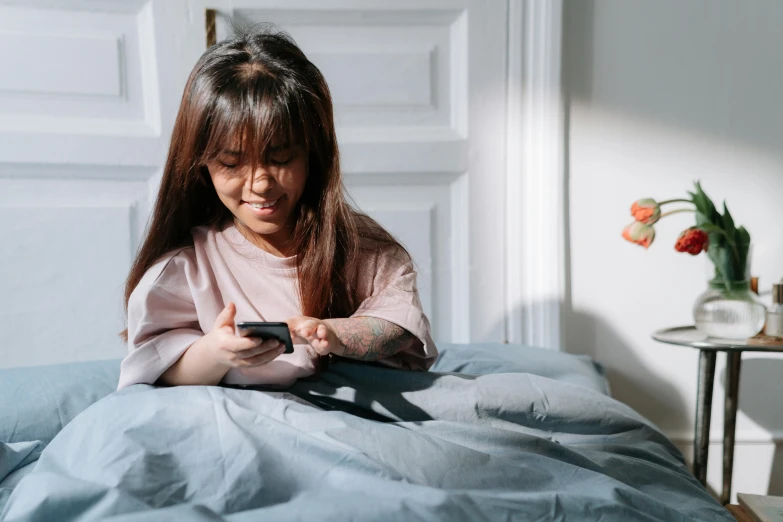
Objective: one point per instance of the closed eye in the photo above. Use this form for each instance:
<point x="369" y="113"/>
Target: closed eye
<point x="281" y="157"/>
<point x="281" y="162"/>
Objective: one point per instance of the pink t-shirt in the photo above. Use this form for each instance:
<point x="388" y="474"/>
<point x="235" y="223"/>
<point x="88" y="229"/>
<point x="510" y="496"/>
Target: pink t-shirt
<point x="179" y="298"/>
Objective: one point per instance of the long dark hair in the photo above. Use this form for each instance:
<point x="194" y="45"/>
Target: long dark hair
<point x="254" y="88"/>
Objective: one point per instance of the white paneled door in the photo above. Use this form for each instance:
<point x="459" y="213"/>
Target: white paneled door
<point x="88" y="93"/>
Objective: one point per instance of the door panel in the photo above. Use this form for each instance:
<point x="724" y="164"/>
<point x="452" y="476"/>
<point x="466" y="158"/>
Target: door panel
<point x="85" y="119"/>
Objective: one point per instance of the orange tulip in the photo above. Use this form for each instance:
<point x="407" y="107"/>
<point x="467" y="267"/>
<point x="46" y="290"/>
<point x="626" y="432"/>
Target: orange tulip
<point x="639" y="233"/>
<point x="646" y="210"/>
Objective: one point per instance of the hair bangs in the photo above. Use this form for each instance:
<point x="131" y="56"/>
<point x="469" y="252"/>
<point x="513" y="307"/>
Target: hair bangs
<point x="251" y="118"/>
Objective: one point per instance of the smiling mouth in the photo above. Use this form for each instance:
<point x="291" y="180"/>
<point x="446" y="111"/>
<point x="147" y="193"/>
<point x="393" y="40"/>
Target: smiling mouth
<point x="264" y="208"/>
<point x="267" y="204"/>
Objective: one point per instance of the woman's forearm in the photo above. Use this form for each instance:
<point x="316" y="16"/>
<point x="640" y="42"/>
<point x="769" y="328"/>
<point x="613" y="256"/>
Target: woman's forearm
<point x="369" y="338"/>
<point x="194" y="367"/>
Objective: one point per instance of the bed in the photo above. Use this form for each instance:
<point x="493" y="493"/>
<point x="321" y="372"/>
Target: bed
<point x="493" y="432"/>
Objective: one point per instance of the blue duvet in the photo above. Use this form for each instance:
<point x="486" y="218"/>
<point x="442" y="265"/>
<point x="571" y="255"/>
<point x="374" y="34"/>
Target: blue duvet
<point x="482" y="437"/>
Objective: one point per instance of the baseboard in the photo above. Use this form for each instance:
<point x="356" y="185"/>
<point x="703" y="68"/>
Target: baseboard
<point x="740" y="437"/>
<point x="758" y="465"/>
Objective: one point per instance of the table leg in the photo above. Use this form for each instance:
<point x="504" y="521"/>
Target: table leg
<point x="703" y="413"/>
<point x="733" y="361"/>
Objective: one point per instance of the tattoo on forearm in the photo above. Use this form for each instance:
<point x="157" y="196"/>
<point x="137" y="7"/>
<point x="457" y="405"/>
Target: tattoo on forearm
<point x="370" y="338"/>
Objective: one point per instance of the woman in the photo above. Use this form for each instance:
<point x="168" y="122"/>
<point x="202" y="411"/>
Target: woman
<point x="251" y="223"/>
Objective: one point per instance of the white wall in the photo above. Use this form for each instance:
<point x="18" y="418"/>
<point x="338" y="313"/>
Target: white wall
<point x="661" y="93"/>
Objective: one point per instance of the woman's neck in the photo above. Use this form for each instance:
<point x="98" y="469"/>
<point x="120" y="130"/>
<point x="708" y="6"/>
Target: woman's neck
<point x="278" y="244"/>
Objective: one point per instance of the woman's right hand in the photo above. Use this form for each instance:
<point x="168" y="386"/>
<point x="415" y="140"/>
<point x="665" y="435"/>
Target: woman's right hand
<point x="231" y="351"/>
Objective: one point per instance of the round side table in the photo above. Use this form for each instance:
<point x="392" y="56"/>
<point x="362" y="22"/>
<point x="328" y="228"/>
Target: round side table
<point x="708" y="349"/>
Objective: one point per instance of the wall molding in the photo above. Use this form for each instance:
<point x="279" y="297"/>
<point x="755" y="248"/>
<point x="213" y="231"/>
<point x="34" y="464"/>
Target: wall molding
<point x="535" y="180"/>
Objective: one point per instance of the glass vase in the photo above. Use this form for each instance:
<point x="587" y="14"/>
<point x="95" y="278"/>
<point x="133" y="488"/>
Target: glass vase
<point x="729" y="311"/>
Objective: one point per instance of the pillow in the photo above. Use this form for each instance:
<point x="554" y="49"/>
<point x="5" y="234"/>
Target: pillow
<point x="37" y="402"/>
<point x="483" y="358"/>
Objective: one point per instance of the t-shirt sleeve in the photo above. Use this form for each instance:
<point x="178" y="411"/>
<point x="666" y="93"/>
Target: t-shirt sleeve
<point x="395" y="298"/>
<point x="162" y="321"/>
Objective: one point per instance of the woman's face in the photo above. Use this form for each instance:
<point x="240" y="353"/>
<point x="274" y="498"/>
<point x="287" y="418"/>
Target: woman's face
<point x="263" y="201"/>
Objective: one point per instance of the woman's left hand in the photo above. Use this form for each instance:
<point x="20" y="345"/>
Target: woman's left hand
<point x="316" y="332"/>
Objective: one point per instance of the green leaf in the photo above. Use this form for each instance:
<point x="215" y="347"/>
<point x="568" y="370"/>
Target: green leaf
<point x="705" y="206"/>
<point x="743" y="237"/>
<point x="728" y="223"/>
<point x="715" y="234"/>
<point x="701" y="205"/>
<point x="743" y="248"/>
<point x="709" y="227"/>
<point x="702" y="220"/>
<point x="723" y="264"/>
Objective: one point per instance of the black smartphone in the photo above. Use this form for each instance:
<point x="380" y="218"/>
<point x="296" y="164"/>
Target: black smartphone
<point x="267" y="331"/>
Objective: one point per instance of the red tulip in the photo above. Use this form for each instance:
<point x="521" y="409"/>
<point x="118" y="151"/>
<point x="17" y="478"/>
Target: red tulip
<point x="692" y="240"/>
<point x="639" y="233"/>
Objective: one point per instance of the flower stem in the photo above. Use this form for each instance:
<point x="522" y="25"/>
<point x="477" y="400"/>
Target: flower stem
<point x="675" y="201"/>
<point x="676" y="212"/>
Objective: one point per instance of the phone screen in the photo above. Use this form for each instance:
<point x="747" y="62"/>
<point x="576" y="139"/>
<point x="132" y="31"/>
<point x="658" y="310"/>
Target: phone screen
<point x="266" y="330"/>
